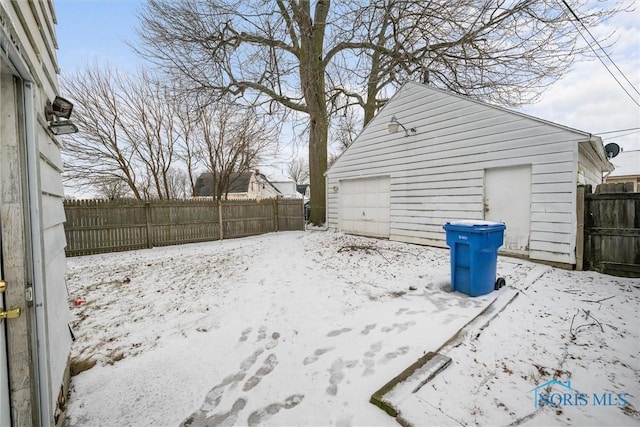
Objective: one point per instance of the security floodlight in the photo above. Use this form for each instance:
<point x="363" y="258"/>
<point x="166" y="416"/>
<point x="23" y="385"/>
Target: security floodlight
<point x="394" y="125"/>
<point x="63" y="128"/>
<point x="60" y="108"/>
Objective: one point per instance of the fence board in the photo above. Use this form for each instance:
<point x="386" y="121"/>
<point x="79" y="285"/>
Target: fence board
<point x="612" y="230"/>
<point x="98" y="226"/>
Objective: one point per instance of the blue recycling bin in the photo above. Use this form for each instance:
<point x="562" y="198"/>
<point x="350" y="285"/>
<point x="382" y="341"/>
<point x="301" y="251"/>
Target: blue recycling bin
<point x="474" y="255"/>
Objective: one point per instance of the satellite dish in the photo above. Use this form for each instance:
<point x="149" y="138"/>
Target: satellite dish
<point x="612" y="150"/>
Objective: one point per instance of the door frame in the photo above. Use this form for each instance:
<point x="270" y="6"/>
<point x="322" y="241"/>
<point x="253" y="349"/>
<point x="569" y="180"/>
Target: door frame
<point x="5" y="400"/>
<point x="17" y="143"/>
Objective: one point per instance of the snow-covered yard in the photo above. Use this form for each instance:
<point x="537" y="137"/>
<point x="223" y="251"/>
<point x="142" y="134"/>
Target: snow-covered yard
<point x="300" y="328"/>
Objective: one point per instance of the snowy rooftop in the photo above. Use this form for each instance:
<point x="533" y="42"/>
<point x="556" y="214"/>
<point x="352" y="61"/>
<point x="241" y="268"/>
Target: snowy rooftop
<point x="627" y="163"/>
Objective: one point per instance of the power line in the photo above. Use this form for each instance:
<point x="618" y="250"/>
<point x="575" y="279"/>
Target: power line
<point x="602" y="49"/>
<point x="623" y="135"/>
<point x="616" y="131"/>
<point x="598" y="56"/>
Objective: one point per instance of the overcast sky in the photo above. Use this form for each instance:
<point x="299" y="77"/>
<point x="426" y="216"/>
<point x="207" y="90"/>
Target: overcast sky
<point x="587" y="98"/>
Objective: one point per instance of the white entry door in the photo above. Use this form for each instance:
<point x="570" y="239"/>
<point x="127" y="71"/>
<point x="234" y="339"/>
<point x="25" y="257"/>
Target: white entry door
<point x="507" y="198"/>
<point x="364" y="206"/>
<point x="5" y="408"/>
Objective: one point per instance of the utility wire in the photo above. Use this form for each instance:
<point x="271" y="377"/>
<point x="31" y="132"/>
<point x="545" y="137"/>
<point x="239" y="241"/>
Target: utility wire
<point x="600" y="46"/>
<point x="599" y="58"/>
<point x="616" y="131"/>
<point x="623" y="135"/>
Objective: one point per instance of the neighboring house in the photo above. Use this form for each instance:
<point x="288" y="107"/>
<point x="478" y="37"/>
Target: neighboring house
<point x="455" y="158"/>
<point x="286" y="187"/>
<point x="627" y="169"/>
<point x="242" y="186"/>
<point x="34" y="345"/>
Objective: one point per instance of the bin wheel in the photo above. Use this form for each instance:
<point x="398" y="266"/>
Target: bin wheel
<point x="500" y="282"/>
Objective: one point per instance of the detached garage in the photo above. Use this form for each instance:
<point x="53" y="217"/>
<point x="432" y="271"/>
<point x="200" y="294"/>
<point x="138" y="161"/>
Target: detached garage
<point x="431" y="156"/>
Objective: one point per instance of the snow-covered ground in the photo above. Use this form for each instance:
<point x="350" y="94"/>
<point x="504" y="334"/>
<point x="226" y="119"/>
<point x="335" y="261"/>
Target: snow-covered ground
<point x="300" y="328"/>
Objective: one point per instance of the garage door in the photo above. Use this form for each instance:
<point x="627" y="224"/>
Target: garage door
<point x="364" y="206"/>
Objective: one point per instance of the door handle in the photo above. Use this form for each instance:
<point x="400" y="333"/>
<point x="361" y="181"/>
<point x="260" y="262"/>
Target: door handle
<point x="3" y="286"/>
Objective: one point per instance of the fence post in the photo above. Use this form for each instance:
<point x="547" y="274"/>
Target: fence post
<point x="275" y="214"/>
<point x="147" y="210"/>
<point x="580" y="213"/>
<point x="582" y="208"/>
<point x="220" y="222"/>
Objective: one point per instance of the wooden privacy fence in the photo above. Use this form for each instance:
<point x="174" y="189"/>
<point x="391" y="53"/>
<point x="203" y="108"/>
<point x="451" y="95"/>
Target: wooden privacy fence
<point x="97" y="226"/>
<point x="609" y="227"/>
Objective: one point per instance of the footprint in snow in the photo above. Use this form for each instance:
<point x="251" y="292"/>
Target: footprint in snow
<point x="245" y="334"/>
<point x="368" y="361"/>
<point x="401" y="327"/>
<point x="338" y="332"/>
<point x="273" y="341"/>
<point x="399" y="352"/>
<point x="316" y="354"/>
<point x="269" y="365"/>
<point x="261" y="415"/>
<point x="262" y="333"/>
<point x="201" y="419"/>
<point x="368" y="329"/>
<point x="337" y="374"/>
<point x="212" y="399"/>
<point x="203" y="416"/>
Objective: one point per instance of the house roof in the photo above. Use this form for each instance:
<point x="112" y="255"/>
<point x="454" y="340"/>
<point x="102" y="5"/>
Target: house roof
<point x="594" y="141"/>
<point x="627" y="163"/>
<point x="238" y="183"/>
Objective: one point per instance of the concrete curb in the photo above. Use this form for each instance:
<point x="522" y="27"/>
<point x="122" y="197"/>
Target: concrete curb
<point x="410" y="380"/>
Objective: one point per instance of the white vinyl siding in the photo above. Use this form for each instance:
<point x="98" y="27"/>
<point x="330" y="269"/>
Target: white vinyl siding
<point x="588" y="173"/>
<point x="29" y="26"/>
<point x="436" y="174"/>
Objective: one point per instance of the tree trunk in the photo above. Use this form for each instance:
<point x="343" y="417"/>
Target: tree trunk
<point x="312" y="70"/>
<point x="372" y="91"/>
<point x="318" y="166"/>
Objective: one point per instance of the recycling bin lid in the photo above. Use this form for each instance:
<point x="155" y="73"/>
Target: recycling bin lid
<point x="474" y="224"/>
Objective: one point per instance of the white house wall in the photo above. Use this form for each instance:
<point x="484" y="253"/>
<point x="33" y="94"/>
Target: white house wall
<point x="53" y="218"/>
<point x="588" y="172"/>
<point x="436" y="174"/>
<point x="29" y="25"/>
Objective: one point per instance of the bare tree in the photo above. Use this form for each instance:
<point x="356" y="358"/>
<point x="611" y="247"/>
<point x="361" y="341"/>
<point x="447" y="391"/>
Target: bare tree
<point x="231" y="139"/>
<point x="346" y="128"/>
<point x="298" y="170"/>
<point x="179" y="185"/>
<point x="128" y="131"/>
<point x="188" y="149"/>
<point x="112" y="189"/>
<point x="320" y="57"/>
<point x="148" y="114"/>
<point x="101" y="153"/>
<point x="500" y="52"/>
<point x="138" y="131"/>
